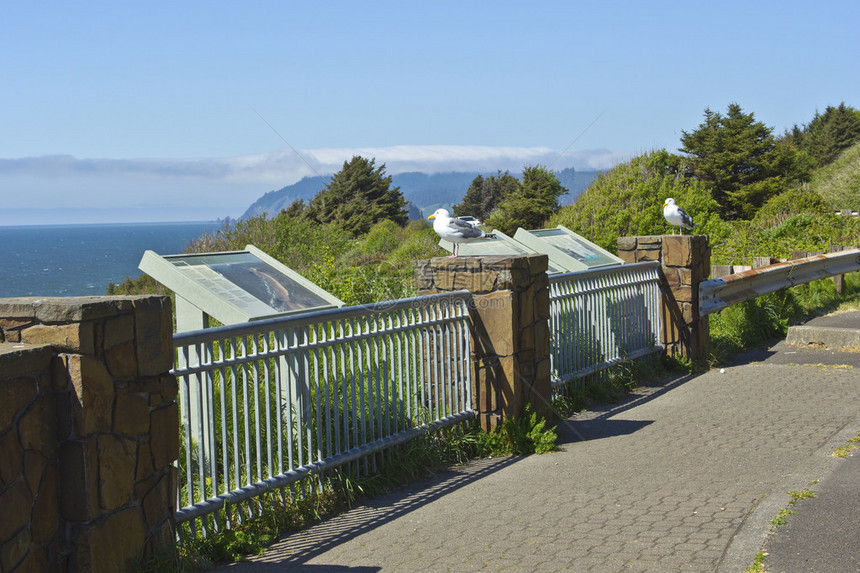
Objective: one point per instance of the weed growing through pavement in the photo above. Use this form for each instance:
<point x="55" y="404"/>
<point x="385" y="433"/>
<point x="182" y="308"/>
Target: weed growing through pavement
<point x="782" y="517"/>
<point x="758" y="564"/>
<point x="803" y="494"/>
<point x="852" y="445"/>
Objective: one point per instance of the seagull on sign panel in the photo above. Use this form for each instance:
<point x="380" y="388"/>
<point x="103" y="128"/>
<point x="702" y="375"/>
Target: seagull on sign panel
<point x="456" y="230"/>
<point x="676" y="216"/>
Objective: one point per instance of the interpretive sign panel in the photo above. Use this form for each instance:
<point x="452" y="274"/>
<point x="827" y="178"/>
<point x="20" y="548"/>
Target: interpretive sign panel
<point x="566" y="249"/>
<point x="504" y="245"/>
<point x="237" y="286"/>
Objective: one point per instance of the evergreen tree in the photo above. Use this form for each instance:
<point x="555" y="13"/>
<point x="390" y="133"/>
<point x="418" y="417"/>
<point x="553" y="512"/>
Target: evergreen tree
<point x="357" y="197"/>
<point x="831" y="133"/>
<point x="485" y="194"/>
<point x="740" y="159"/>
<point x="531" y="204"/>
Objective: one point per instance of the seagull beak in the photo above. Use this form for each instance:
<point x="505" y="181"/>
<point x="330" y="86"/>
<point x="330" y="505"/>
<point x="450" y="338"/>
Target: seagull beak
<point x="432" y="216"/>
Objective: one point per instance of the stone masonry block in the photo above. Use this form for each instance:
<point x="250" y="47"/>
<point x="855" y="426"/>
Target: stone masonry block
<point x="37" y="428"/>
<point x="164" y="436"/>
<point x="73" y="337"/>
<point x="93" y="386"/>
<point x="494" y="322"/>
<point x="673" y="276"/>
<point x="114" y="544"/>
<point x="19" y="307"/>
<point x="12" y="466"/>
<point x="646" y="255"/>
<point x="22" y="360"/>
<point x="626" y="244"/>
<point x="154" y="334"/>
<point x="46" y="509"/>
<point x="158" y="502"/>
<point x="79" y="483"/>
<point x="444" y="280"/>
<point x="678" y="251"/>
<point x="17" y="394"/>
<point x="17" y="503"/>
<point x="644" y="241"/>
<point x="131" y="414"/>
<point x="682" y="293"/>
<point x="119" y="330"/>
<point x="117" y="459"/>
<point x="80" y="309"/>
<point x="121" y="360"/>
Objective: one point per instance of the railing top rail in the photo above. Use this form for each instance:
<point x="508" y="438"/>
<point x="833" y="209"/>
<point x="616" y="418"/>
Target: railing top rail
<point x="306" y="319"/>
<point x="603" y="271"/>
<point x="719" y="293"/>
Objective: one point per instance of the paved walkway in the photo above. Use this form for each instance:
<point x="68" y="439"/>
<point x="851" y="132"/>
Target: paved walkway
<point x="682" y="477"/>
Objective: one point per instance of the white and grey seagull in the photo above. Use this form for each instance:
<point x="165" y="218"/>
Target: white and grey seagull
<point x="676" y="216"/>
<point x="456" y="230"/>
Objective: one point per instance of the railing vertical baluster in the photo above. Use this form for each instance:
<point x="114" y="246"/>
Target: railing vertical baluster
<point x="327" y="391"/>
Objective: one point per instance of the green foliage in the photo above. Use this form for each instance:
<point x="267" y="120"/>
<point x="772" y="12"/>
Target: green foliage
<point x="144" y="284"/>
<point x="839" y="182"/>
<point x="531" y="204"/>
<point x="782" y="517"/>
<point x="357" y="197"/>
<point x="523" y="434"/>
<point x="797" y="220"/>
<point x="740" y="160"/>
<point x="484" y="195"/>
<point x="758" y="564"/>
<point x="628" y="200"/>
<point x="829" y="134"/>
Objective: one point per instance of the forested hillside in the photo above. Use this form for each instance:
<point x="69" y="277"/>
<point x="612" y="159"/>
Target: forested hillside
<point x="427" y="192"/>
<point x="753" y="192"/>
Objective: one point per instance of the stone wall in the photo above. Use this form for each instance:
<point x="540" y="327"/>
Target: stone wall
<point x="509" y="329"/>
<point x="88" y="433"/>
<point x="685" y="262"/>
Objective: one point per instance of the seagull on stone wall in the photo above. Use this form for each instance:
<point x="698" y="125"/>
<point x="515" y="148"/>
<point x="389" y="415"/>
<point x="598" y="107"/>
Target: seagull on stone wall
<point x="677" y="216"/>
<point x="456" y="230"/>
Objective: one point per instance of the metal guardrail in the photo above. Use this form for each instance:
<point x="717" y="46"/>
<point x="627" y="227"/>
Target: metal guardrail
<point x="717" y="294"/>
<point x="601" y="317"/>
<point x="265" y="404"/>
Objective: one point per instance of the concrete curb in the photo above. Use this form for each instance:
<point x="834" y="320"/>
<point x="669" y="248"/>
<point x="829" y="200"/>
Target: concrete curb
<point x="829" y="337"/>
<point x="755" y="529"/>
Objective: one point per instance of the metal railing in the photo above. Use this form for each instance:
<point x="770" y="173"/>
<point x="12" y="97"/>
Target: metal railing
<point x="265" y="404"/>
<point x="601" y="317"/>
<point x="719" y="293"/>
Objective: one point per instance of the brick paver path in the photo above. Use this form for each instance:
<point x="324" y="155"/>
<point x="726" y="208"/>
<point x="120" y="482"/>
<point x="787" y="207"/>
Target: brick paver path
<point x="659" y="484"/>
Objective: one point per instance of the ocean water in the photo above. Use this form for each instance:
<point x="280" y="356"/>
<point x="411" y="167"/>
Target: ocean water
<point x="80" y="260"/>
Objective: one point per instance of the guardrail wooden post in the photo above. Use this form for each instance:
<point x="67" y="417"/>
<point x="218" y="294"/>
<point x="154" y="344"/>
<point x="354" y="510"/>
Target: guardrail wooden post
<point x="509" y="329"/>
<point x="685" y="262"/>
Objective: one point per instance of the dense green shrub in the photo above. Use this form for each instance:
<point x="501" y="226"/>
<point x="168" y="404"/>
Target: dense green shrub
<point x="628" y="200"/>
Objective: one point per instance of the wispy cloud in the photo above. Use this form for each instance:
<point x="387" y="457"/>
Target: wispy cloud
<point x="285" y="166"/>
<point x="81" y="190"/>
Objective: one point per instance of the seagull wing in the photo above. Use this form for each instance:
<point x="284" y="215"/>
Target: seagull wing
<point x="463" y="230"/>
<point x="686" y="220"/>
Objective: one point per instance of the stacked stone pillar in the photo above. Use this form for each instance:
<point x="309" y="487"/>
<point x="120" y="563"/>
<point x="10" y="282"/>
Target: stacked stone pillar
<point x="509" y="329"/>
<point x="88" y="433"/>
<point x="685" y="262"/>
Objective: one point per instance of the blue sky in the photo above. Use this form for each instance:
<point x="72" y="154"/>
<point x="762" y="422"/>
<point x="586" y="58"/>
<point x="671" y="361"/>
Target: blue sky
<point x="118" y="111"/>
